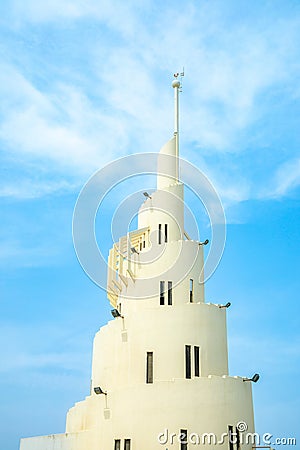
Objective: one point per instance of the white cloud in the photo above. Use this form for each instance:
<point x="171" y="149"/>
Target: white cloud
<point x="48" y="10"/>
<point x="130" y="108"/>
<point x="29" y="189"/>
<point x="116" y="14"/>
<point x="287" y="178"/>
<point x="15" y="253"/>
<point x="61" y="126"/>
<point x="224" y="84"/>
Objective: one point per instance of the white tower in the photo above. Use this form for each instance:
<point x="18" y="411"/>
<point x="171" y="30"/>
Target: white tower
<point x="160" y="368"/>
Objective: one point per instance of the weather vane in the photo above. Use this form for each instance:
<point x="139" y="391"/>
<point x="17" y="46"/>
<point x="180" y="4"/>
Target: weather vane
<point x="181" y="75"/>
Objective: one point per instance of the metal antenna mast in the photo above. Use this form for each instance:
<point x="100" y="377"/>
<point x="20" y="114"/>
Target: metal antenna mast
<point x="177" y="88"/>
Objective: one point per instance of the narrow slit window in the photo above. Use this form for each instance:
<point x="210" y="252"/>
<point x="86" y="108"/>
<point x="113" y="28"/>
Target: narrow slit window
<point x="117" y="444"/>
<point x="149" y="374"/>
<point x="191" y="291"/>
<point x="159" y="233"/>
<point x="141" y="246"/>
<point x="187" y="361"/>
<point x="238" y="440"/>
<point x="170" y="293"/>
<point x="162" y="293"/>
<point x="127" y="444"/>
<point x="183" y="440"/>
<point x="230" y="437"/>
<point x="166" y="232"/>
<point x="197" y="361"/>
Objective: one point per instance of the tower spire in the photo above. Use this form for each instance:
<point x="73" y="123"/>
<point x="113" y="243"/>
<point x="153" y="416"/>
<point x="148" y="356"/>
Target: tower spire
<point x="176" y="85"/>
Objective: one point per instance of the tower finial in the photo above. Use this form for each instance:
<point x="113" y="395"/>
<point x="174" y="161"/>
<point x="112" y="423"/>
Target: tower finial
<point x="177" y="85"/>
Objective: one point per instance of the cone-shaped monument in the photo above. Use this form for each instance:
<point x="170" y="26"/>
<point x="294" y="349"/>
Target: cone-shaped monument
<point x="160" y="367"/>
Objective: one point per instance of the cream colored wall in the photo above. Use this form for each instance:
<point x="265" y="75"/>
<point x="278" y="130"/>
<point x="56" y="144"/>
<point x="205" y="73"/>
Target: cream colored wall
<point x="120" y="347"/>
<point x="165" y="206"/>
<point x="167" y="164"/>
<point x="132" y="408"/>
<point x="74" y="441"/>
<point x="178" y="262"/>
<point x="142" y="412"/>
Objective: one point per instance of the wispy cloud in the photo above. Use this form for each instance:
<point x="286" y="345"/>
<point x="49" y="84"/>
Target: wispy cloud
<point x="61" y="126"/>
<point x="78" y="124"/>
<point x="15" y="253"/>
<point x="28" y="189"/>
<point x="286" y="178"/>
<point x="116" y="15"/>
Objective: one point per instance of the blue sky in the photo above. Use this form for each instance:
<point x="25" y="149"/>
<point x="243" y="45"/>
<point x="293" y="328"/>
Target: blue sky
<point x="85" y="82"/>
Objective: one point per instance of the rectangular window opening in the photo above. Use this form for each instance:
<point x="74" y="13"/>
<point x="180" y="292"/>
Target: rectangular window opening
<point x="166" y="232"/>
<point x="230" y="437"/>
<point x="191" y="291"/>
<point x="127" y="444"/>
<point x="183" y="440"/>
<point x="149" y="374"/>
<point x="187" y="361"/>
<point x="159" y="233"/>
<point x="169" y="292"/>
<point x="238" y="440"/>
<point x="162" y="293"/>
<point x="117" y="444"/>
<point x="197" y="361"/>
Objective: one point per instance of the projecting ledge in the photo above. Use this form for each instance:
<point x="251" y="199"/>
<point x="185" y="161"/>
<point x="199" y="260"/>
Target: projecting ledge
<point x="198" y="379"/>
<point x="65" y="441"/>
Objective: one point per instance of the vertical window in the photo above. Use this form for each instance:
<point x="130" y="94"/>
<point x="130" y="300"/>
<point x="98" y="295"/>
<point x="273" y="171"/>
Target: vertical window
<point x="183" y="439"/>
<point x="169" y="292"/>
<point x="117" y="444"/>
<point x="166" y="232"/>
<point x="187" y="361"/>
<point x="230" y="437"/>
<point x="149" y="369"/>
<point x="159" y="233"/>
<point x="238" y="440"/>
<point x="191" y="290"/>
<point x="197" y="361"/>
<point x="127" y="444"/>
<point x="162" y="293"/>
